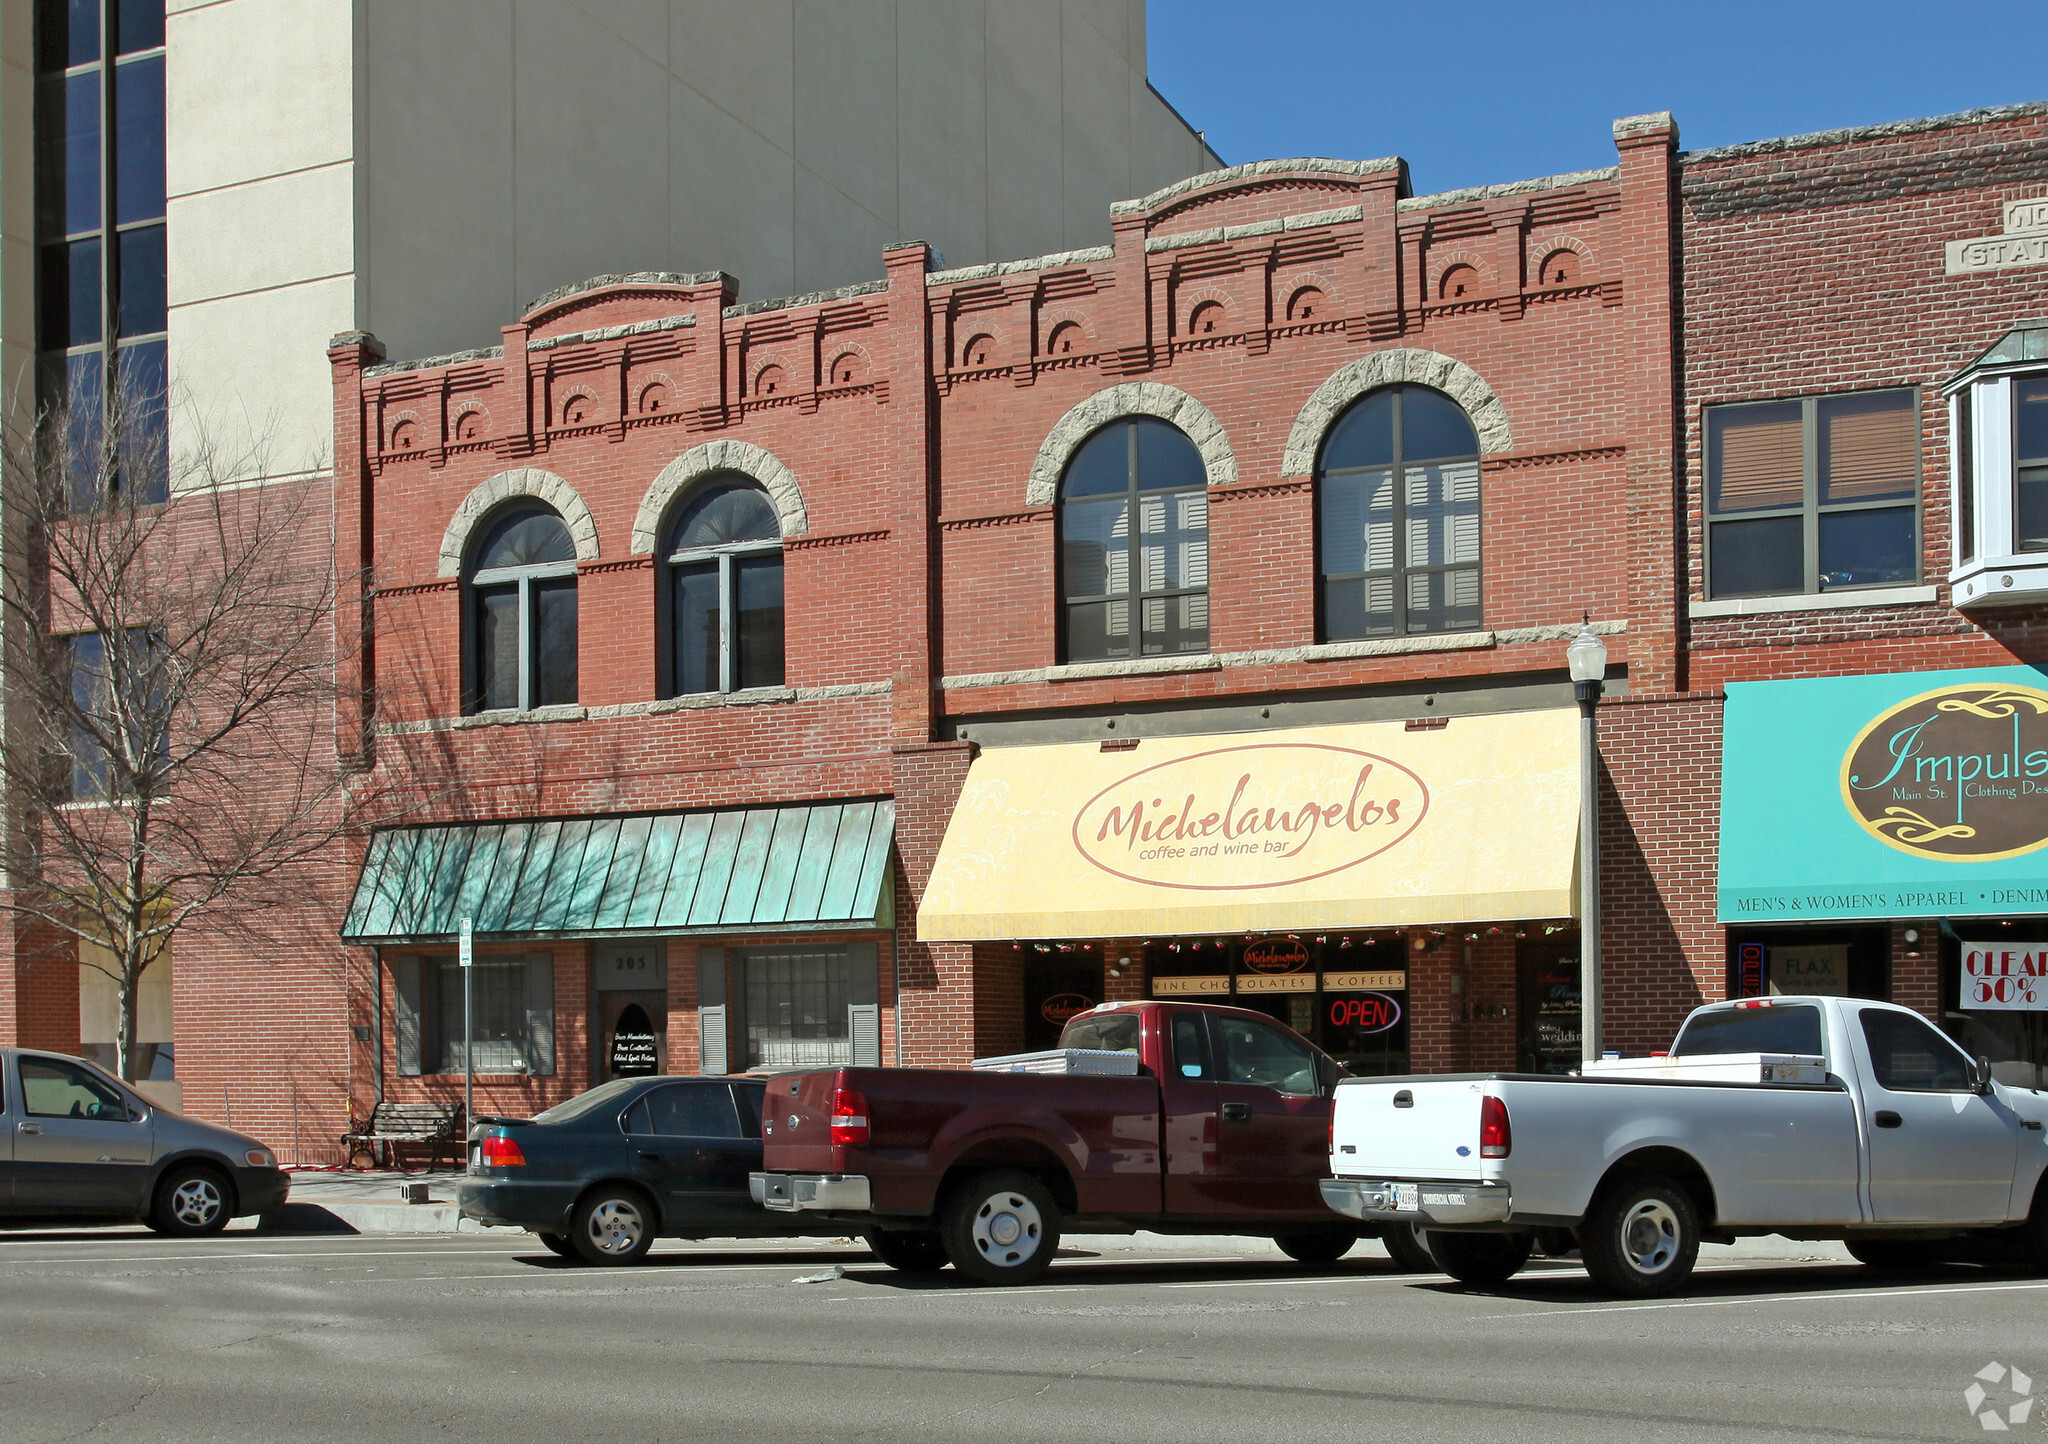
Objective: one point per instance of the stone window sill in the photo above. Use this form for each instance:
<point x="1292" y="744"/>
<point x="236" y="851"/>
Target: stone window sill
<point x="1818" y="602"/>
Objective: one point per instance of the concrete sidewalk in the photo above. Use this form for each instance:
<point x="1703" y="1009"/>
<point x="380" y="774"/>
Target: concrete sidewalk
<point x="370" y="1202"/>
<point x="373" y="1202"/>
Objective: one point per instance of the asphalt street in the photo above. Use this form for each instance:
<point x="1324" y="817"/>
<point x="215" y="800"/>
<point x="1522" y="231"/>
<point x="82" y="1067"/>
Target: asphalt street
<point x="118" y="1335"/>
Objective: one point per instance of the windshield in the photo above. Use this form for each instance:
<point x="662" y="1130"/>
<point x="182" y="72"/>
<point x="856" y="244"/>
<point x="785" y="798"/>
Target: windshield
<point x="1751" y="1030"/>
<point x="589" y="1102"/>
<point x="1106" y="1032"/>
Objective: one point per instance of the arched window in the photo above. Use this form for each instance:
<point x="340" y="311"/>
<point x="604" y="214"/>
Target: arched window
<point x="1397" y="517"/>
<point x="522" y="604"/>
<point x="721" y="590"/>
<point x="1135" y="590"/>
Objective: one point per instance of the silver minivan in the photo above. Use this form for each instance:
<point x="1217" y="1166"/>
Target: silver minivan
<point x="78" y="1144"/>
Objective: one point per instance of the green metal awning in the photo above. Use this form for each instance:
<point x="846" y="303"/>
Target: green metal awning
<point x="765" y="869"/>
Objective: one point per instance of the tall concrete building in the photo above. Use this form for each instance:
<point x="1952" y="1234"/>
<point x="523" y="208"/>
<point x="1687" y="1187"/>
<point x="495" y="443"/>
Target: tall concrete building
<point x="196" y="195"/>
<point x="255" y="176"/>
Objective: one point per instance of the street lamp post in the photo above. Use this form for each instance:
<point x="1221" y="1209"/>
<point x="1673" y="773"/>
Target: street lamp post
<point x="1587" y="658"/>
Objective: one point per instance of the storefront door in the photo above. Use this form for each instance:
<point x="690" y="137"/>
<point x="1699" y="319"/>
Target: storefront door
<point x="1549" y="1000"/>
<point x="1057" y="986"/>
<point x="630" y="1020"/>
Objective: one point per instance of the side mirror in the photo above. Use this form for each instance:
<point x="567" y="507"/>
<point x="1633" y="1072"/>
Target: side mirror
<point x="1980" y="1079"/>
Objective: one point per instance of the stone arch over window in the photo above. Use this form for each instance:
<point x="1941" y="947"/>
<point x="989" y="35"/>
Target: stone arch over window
<point x="715" y="456"/>
<point x="521" y="481"/>
<point x="1133" y="398"/>
<point x="1386" y="368"/>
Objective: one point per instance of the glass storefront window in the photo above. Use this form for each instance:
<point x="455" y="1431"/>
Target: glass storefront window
<point x="796" y="1013"/>
<point x="2015" y="1039"/>
<point x="1344" y="992"/>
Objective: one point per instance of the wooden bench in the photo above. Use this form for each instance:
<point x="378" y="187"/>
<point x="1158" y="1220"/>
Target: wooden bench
<point x="434" y="1124"/>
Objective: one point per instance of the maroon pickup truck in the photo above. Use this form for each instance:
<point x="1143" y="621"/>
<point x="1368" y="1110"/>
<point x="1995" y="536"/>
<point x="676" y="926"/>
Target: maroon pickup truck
<point x="1224" y="1129"/>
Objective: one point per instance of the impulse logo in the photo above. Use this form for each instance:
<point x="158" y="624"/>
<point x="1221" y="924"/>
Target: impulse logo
<point x="1959" y="774"/>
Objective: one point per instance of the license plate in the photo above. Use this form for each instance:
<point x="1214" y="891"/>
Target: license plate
<point x="1407" y="1197"/>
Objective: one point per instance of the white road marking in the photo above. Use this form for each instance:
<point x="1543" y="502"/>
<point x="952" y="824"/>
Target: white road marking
<point x="1769" y="1299"/>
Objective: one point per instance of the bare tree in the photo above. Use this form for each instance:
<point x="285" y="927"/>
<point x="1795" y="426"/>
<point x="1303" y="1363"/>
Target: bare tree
<point x="171" y="682"/>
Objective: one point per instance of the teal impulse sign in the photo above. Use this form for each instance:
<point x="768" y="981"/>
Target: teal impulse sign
<point x="1889" y="796"/>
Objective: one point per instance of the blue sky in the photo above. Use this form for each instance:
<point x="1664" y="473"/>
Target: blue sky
<point x="1475" y="92"/>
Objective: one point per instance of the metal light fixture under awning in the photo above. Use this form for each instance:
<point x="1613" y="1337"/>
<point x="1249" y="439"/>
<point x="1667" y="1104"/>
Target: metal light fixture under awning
<point x="801" y="868"/>
<point x="1383" y="824"/>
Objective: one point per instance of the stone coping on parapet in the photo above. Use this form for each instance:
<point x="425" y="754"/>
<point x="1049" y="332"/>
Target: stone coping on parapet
<point x="428" y="363"/>
<point x="1258" y="169"/>
<point x="1086" y="256"/>
<point x="811" y="298"/>
<point x="1278" y="656"/>
<point x="1173" y="241"/>
<point x="626" y="278"/>
<point x="1470" y="194"/>
<point x="613" y="333"/>
<point x="1980" y="116"/>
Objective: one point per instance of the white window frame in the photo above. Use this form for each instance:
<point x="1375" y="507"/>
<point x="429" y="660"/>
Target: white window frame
<point x="1992" y="571"/>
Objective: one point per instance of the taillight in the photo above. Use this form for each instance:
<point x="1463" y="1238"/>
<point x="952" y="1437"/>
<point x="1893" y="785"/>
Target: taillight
<point x="849" y="1116"/>
<point x="1495" y="1137"/>
<point x="502" y="1152"/>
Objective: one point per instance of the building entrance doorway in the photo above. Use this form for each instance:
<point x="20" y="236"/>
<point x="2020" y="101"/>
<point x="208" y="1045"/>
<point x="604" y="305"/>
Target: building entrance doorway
<point x="630" y="1017"/>
<point x="1549" y="1003"/>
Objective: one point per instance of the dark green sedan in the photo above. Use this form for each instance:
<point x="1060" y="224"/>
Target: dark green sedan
<point x="603" y="1175"/>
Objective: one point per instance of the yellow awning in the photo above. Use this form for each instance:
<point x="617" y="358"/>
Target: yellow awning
<point x="1372" y="825"/>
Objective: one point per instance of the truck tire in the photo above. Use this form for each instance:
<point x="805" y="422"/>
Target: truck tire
<point x="1641" y="1237"/>
<point x="1408" y="1248"/>
<point x="191" y="1201"/>
<point x="1316" y="1247"/>
<point x="1483" y="1260"/>
<point x="613" y="1225"/>
<point x="1001" y="1228"/>
<point x="906" y="1252"/>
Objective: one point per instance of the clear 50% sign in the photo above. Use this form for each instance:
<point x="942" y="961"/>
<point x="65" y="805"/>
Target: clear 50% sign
<point x="2005" y="975"/>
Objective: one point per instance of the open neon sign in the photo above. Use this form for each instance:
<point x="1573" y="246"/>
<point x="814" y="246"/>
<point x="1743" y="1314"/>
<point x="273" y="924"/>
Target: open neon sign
<point x="1371" y="1013"/>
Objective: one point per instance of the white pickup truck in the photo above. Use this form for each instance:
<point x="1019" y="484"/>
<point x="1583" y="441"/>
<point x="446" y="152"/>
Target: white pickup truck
<point x="1904" y="1148"/>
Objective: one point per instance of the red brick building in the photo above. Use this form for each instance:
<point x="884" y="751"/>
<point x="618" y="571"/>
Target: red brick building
<point x="693" y="622"/>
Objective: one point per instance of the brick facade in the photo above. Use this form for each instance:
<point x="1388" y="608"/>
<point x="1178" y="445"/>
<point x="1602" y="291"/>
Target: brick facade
<point x="911" y="430"/>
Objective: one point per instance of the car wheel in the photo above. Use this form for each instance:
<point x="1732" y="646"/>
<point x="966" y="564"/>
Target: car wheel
<point x="920" y="1252"/>
<point x="1641" y="1238"/>
<point x="191" y="1200"/>
<point x="1408" y="1249"/>
<point x="1897" y="1253"/>
<point x="558" y="1243"/>
<point x="1001" y="1228"/>
<point x="612" y="1226"/>
<point x="1316" y="1247"/>
<point x="1483" y="1260"/>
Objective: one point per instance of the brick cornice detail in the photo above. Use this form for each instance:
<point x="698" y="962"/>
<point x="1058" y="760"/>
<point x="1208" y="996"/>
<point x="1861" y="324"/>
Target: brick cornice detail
<point x="983" y="523"/>
<point x="838" y="539"/>
<point x="1552" y="458"/>
<point x="1283" y="488"/>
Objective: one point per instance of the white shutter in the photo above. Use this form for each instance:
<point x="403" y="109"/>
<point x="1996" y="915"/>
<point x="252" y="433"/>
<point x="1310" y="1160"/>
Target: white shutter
<point x="863" y="1006"/>
<point x="711" y="1025"/>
